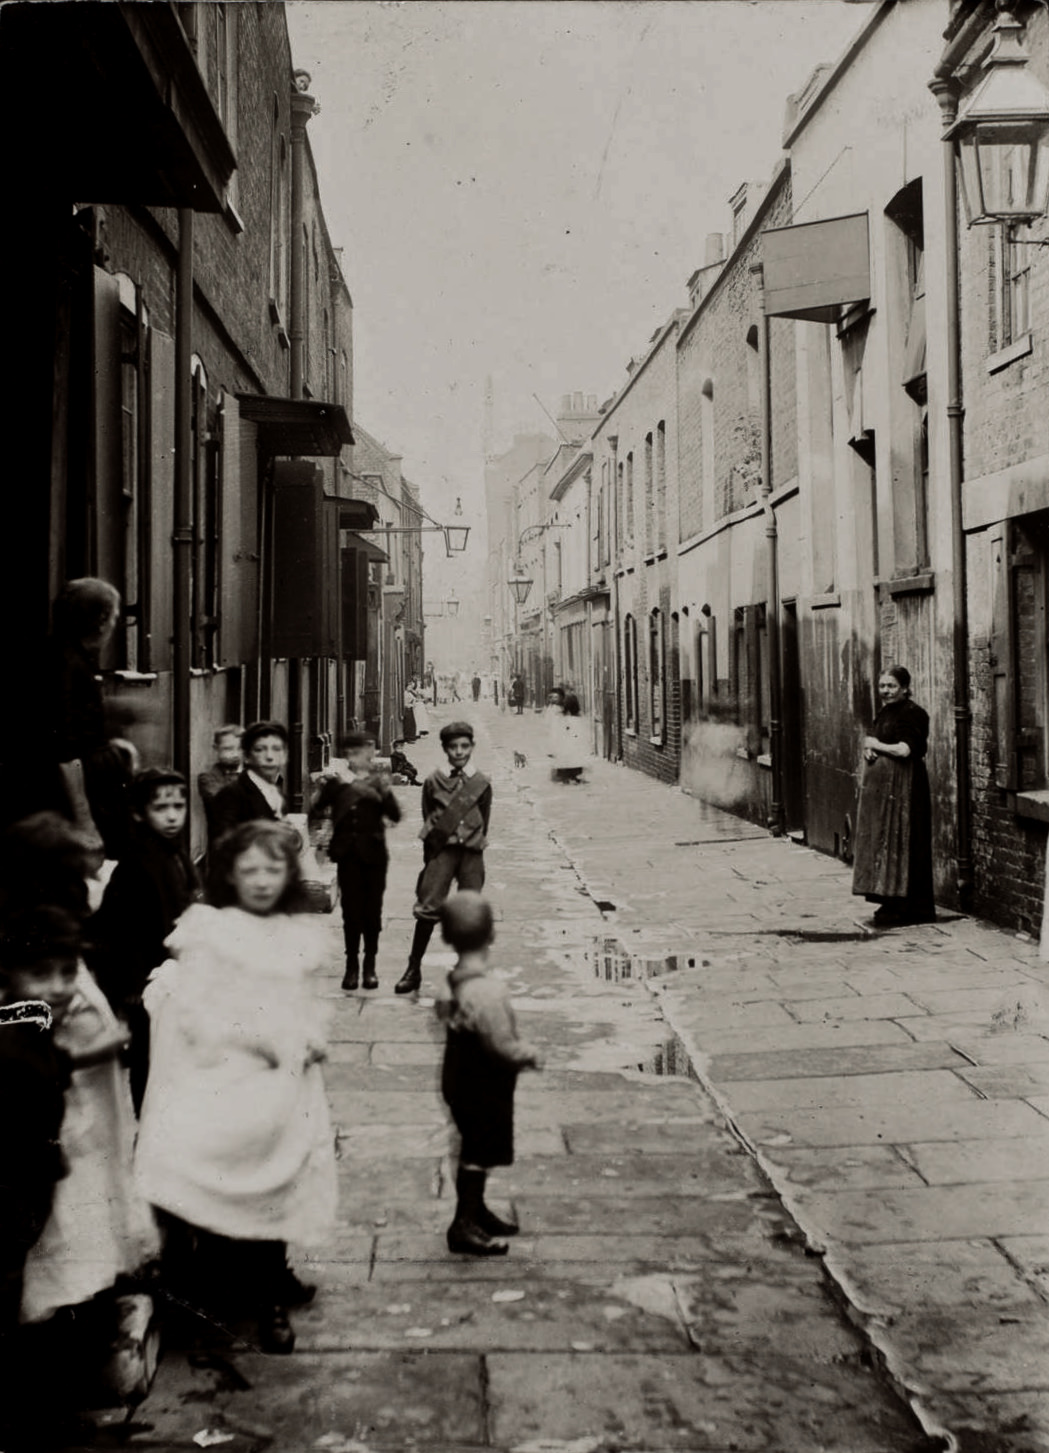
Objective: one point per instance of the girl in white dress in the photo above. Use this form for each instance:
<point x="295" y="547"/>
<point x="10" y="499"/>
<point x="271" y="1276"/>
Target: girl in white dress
<point x="235" y="1143"/>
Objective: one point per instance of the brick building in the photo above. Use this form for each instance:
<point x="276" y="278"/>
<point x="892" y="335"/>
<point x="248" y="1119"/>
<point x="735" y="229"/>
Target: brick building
<point x="1004" y="312"/>
<point x="635" y="473"/>
<point x="183" y="424"/>
<point x="722" y="558"/>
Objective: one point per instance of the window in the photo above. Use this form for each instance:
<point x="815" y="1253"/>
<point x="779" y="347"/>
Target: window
<point x="630" y="497"/>
<point x="650" y="499"/>
<point x="621" y="507"/>
<point x="657" y="675"/>
<point x="630" y="673"/>
<point x="738" y="664"/>
<point x="278" y="221"/>
<point x="1020" y="653"/>
<point x="753" y="371"/>
<point x="135" y="478"/>
<point x="762" y="736"/>
<point x="661" y="486"/>
<point x="601" y="520"/>
<point x="1011" y="279"/>
<point x="205" y="564"/>
<point x="706" y="423"/>
<point x="224" y="28"/>
<point x="908" y="340"/>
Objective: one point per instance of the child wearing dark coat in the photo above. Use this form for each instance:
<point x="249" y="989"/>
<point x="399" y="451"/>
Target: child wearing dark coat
<point x="360" y="803"/>
<point x="151" y="887"/>
<point x="482" y="1058"/>
<point x="402" y="765"/>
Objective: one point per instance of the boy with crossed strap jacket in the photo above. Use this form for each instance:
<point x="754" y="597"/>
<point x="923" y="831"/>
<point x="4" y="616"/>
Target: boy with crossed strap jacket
<point x="456" y="808"/>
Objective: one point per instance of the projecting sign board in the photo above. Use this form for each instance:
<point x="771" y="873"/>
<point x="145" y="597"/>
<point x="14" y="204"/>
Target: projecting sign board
<point x="814" y="269"/>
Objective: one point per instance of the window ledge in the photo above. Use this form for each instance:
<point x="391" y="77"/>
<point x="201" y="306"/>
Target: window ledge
<point x="630" y="732"/>
<point x="135" y="678"/>
<point x="765" y="760"/>
<point x="1002" y="359"/>
<point x="924" y="583"/>
<point x="1034" y="805"/>
<point x="656" y="741"/>
<point x="827" y="601"/>
<point x="743" y="753"/>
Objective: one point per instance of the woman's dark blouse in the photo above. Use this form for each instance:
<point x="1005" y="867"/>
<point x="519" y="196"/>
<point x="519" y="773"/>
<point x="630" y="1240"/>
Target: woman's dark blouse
<point x="903" y="721"/>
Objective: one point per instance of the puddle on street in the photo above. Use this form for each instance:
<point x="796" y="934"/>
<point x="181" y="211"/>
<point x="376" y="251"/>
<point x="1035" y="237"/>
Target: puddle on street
<point x="613" y="964"/>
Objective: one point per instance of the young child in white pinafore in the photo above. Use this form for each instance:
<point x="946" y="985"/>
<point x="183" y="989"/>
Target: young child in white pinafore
<point x="235" y="1141"/>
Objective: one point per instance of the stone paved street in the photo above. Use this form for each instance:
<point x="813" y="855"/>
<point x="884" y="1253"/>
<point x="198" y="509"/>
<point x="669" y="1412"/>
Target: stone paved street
<point x="658" y="1298"/>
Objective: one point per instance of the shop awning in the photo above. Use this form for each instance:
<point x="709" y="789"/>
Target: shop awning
<point x="815" y="269"/>
<point x="371" y="550"/>
<point x="356" y="514"/>
<point x="127" y="116"/>
<point x="299" y="428"/>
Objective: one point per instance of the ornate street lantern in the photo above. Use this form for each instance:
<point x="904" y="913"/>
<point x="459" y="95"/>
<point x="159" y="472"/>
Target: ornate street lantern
<point x="1001" y="136"/>
<point x="455" y="537"/>
<point x="520" y="584"/>
<point x="453" y="606"/>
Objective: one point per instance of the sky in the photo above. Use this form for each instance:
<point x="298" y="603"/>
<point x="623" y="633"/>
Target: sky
<point x="523" y="187"/>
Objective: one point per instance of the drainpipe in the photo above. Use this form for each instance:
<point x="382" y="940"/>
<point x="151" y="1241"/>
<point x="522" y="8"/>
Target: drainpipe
<point x="182" y="524"/>
<point x="302" y="108"/>
<point x="946" y="94"/>
<point x="613" y="440"/>
<point x="777" y="824"/>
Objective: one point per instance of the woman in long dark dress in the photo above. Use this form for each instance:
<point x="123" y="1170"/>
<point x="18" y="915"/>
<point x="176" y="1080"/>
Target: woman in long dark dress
<point x="893" y="856"/>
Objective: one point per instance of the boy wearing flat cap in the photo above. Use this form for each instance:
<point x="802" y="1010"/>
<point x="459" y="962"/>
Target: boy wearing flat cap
<point x="360" y="802"/>
<point x="456" y="808"/>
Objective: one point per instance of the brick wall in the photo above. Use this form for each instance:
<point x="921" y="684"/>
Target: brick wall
<point x="1005" y="425"/>
<point x="714" y="346"/>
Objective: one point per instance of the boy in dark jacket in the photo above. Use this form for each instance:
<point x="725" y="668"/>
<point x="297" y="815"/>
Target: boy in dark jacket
<point x="482" y="1059"/>
<point x="151" y="887"/>
<point x="457" y="807"/>
<point x="360" y="805"/>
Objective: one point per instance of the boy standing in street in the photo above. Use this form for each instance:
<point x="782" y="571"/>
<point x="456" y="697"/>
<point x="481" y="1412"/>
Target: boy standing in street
<point x="359" y="804"/>
<point x="482" y="1059"/>
<point x="456" y="807"/>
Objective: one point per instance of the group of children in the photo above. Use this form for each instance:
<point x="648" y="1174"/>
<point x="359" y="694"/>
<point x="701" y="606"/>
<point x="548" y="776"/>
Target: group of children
<point x="483" y="1053"/>
<point x="197" y="1018"/>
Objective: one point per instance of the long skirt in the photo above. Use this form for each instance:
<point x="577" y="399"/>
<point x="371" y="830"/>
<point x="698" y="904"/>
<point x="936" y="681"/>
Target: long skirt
<point x="893" y="853"/>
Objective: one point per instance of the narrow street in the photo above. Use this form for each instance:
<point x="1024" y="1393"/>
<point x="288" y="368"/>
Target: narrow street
<point x="659" y="1297"/>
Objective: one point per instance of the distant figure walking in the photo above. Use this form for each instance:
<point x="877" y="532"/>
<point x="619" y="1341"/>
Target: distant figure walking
<point x="475" y="686"/>
<point x="516" y="696"/>
<point x="893" y="858"/>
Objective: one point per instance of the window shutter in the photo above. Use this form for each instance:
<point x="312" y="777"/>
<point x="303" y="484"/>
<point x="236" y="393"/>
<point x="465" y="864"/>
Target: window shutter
<point x="238" y="537"/>
<point x="305" y="567"/>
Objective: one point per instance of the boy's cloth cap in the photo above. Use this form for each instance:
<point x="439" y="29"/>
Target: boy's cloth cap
<point x="454" y="729"/>
<point x="263" y="729"/>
